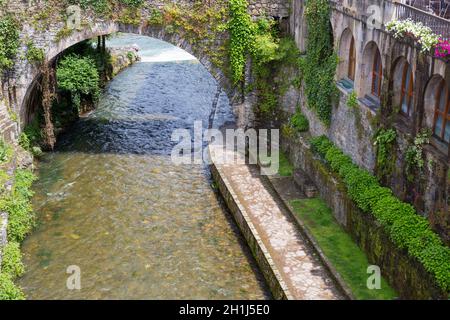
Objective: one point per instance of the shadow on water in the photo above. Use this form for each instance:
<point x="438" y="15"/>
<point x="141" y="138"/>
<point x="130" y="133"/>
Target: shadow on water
<point x="110" y="200"/>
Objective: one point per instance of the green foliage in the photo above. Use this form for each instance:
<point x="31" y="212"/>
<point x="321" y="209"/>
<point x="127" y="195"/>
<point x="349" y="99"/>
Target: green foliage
<point x="406" y="228"/>
<point x="9" y="41"/>
<point x="156" y="18"/>
<point x="265" y="48"/>
<point x="99" y="6"/>
<point x="242" y="33"/>
<point x="414" y="155"/>
<point x="12" y="260"/>
<point x="370" y="196"/>
<point x="320" y="145"/>
<point x="31" y="137"/>
<point x="299" y="122"/>
<point x="132" y="3"/>
<point x="5" y="151"/>
<point x="24" y="141"/>
<point x="286" y="169"/>
<point x="384" y="142"/>
<point x="79" y="76"/>
<point x="18" y="206"/>
<point x="319" y="65"/>
<point x="352" y="100"/>
<point x="270" y="85"/>
<point x="8" y="290"/>
<point x="34" y="55"/>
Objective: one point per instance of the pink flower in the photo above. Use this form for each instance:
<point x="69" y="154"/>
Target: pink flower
<point x="442" y="49"/>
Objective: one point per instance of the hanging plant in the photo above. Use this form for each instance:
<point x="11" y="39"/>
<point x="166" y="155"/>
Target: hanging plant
<point x="415" y="30"/>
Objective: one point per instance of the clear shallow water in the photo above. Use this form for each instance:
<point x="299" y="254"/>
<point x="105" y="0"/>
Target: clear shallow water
<point x="110" y="201"/>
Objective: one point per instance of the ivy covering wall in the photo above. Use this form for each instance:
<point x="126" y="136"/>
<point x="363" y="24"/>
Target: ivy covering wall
<point x="320" y="63"/>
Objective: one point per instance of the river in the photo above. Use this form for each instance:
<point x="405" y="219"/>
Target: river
<point x="110" y="201"/>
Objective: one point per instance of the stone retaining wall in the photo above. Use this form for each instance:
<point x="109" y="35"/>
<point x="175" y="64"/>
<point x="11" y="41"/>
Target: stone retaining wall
<point x="403" y="272"/>
<point x="269" y="270"/>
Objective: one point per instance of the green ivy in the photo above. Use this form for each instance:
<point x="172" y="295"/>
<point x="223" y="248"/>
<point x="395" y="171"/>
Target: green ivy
<point x="384" y="143"/>
<point x="320" y="63"/>
<point x="242" y="33"/>
<point x="34" y="55"/>
<point x="9" y="41"/>
<point x="414" y="155"/>
<point x="407" y="229"/>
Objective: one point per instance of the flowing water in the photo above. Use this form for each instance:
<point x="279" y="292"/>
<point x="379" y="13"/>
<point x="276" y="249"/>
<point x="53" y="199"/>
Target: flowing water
<point x="111" y="202"/>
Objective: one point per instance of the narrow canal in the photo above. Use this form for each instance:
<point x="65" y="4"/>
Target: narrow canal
<point x="110" y="201"/>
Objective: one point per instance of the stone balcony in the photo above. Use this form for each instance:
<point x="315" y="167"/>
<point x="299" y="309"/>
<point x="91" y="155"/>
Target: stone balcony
<point x="379" y="12"/>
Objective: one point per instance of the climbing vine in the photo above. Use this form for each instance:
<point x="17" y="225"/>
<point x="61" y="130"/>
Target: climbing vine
<point x="9" y="41"/>
<point x="48" y="94"/>
<point x="319" y="64"/>
<point x="384" y="142"/>
<point x="415" y="162"/>
<point x="242" y="32"/>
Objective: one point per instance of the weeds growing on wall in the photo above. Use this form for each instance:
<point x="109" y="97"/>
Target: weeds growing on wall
<point x="320" y="63"/>
<point x="9" y="41"/>
<point x="34" y="55"/>
<point x="414" y="156"/>
<point x="21" y="219"/>
<point x="270" y="84"/>
<point x="384" y="142"/>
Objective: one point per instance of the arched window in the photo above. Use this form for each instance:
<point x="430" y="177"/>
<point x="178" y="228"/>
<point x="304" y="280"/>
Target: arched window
<point x="346" y="70"/>
<point x="441" y="125"/>
<point x="407" y="92"/>
<point x="352" y="60"/>
<point x="377" y="74"/>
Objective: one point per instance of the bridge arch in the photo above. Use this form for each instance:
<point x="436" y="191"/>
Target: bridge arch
<point x="26" y="97"/>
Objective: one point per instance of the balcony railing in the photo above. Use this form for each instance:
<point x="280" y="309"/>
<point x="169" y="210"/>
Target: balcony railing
<point x="438" y="24"/>
<point x="427" y="12"/>
<point x="441" y="8"/>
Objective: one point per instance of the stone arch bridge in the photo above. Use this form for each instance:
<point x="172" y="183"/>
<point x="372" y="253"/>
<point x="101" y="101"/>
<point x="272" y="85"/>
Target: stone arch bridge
<point x="55" y="26"/>
<point x="378" y="62"/>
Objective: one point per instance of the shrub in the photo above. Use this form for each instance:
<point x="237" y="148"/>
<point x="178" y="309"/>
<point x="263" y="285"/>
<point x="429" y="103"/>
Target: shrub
<point x="79" y="76"/>
<point x="358" y="181"/>
<point x="337" y="159"/>
<point x="320" y="145"/>
<point x="18" y="206"/>
<point x="8" y="290"/>
<point x="11" y="260"/>
<point x="370" y="196"/>
<point x="299" y="122"/>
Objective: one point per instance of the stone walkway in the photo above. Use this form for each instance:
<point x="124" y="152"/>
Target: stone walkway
<point x="299" y="267"/>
